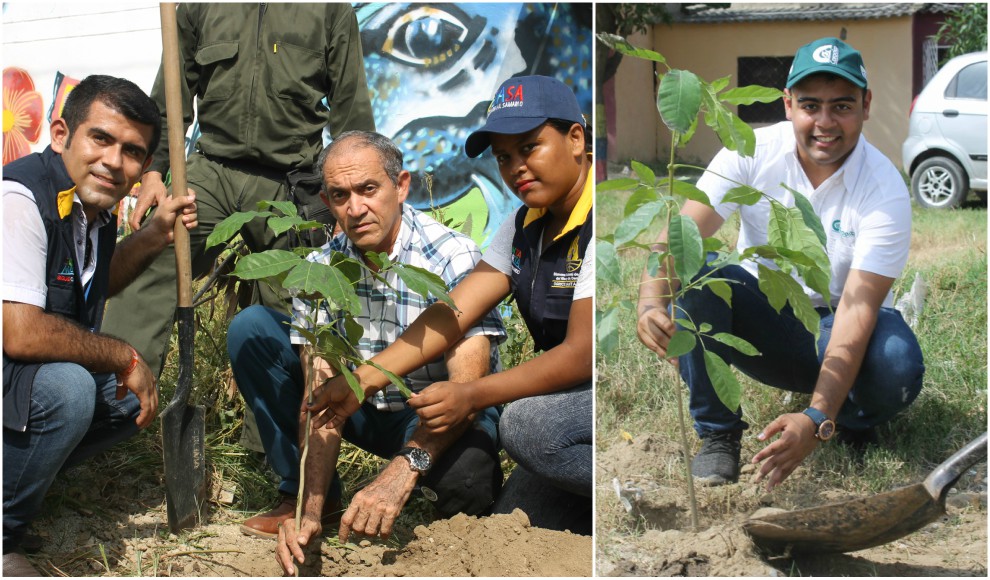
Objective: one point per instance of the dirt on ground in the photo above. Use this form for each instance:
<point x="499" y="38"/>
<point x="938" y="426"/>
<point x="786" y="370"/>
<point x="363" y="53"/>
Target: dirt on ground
<point x="122" y="530"/>
<point x="644" y="527"/>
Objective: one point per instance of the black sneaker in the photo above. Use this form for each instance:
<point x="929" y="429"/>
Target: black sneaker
<point x="717" y="463"/>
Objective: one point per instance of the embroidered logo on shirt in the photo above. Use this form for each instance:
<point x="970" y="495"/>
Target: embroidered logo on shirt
<point x="574" y="257"/>
<point x="517" y="256"/>
<point x="68" y="273"/>
<point x="837" y="228"/>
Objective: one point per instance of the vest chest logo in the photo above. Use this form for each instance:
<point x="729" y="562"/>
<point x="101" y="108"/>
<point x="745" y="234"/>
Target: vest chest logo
<point x="67" y="274"/>
<point x="574" y="256"/>
<point x="837" y="228"/>
<point x="517" y="257"/>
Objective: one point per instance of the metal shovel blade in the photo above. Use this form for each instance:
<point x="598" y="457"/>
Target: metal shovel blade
<point x="184" y="440"/>
<point x="866" y="522"/>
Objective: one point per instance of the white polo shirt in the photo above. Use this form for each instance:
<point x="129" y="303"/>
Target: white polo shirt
<point x="864" y="207"/>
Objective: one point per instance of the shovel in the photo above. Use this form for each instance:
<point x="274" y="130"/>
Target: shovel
<point x="183" y="426"/>
<point x="866" y="522"/>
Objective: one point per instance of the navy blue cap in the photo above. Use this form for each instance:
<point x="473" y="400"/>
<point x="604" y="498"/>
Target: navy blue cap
<point x="522" y="104"/>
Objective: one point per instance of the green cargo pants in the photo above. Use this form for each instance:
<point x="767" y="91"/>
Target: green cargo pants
<point x="143" y="313"/>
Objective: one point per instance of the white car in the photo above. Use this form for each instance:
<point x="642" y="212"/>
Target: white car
<point x="946" y="150"/>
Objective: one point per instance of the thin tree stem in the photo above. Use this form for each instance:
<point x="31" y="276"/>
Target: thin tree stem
<point x="305" y="452"/>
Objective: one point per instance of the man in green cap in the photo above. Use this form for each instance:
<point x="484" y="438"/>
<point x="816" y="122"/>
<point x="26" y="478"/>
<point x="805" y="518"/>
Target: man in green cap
<point x="868" y="365"/>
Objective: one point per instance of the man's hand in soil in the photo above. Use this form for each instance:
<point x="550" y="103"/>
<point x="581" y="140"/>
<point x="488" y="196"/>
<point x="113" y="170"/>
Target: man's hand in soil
<point x="291" y="543"/>
<point x="374" y="509"/>
<point x="333" y="403"/>
<point x="797" y="441"/>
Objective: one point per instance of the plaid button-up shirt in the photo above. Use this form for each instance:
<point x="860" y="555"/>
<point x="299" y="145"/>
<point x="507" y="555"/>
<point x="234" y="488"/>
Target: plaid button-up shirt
<point x="388" y="309"/>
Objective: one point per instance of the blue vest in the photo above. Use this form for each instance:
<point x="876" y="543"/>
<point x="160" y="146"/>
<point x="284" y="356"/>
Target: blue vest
<point x="543" y="284"/>
<point x="44" y="174"/>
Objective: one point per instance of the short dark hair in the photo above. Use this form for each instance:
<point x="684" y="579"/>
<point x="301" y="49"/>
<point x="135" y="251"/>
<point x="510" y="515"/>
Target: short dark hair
<point x="564" y="127"/>
<point x="389" y="154"/>
<point x="120" y="95"/>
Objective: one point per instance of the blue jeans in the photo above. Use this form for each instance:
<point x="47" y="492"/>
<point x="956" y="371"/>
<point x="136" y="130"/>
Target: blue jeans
<point x="551" y="436"/>
<point x="269" y="375"/>
<point x="74" y="416"/>
<point x="888" y="381"/>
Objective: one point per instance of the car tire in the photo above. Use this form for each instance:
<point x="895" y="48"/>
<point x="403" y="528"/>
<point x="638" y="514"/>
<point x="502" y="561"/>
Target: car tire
<point x="939" y="183"/>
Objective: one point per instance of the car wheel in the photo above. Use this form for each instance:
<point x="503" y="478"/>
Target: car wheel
<point x="939" y="182"/>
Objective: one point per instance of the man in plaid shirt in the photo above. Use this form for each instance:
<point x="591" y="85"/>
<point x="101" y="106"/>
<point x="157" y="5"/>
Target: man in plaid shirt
<point x="365" y="187"/>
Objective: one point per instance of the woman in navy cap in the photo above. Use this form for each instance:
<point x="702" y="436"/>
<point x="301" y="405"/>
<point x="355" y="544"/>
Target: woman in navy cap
<point x="543" y="256"/>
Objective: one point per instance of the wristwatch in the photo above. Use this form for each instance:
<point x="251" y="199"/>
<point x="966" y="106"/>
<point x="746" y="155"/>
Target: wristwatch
<point x="419" y="459"/>
<point x="824" y="427"/>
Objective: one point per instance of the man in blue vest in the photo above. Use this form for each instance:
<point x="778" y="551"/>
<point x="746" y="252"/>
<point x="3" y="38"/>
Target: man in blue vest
<point x="69" y="391"/>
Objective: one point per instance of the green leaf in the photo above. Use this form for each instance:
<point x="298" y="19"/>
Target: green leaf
<point x="314" y="278"/>
<point x="705" y="327"/>
<point x="282" y="224"/>
<point x="230" y="226"/>
<point x="265" y="264"/>
<point x="805" y="311"/>
<point x="743" y="195"/>
<point x="352" y="382"/>
<point x="424" y="283"/>
<point x="684" y="243"/>
<point x="679" y="99"/>
<point x="353" y="329"/>
<point x="286" y="207"/>
<point x="726" y="385"/>
<point x="691" y="191"/>
<point x="722" y="290"/>
<point x="607" y="328"/>
<point x="642" y="195"/>
<point x="630" y="228"/>
<point x="621" y="45"/>
<point x="818" y="281"/>
<point x="686" y="136"/>
<point x="712" y="244"/>
<point x="644" y="173"/>
<point x="719" y="84"/>
<point x="751" y="94"/>
<point x="745" y="135"/>
<point x="619" y="184"/>
<point x="773" y="284"/>
<point x="687" y="324"/>
<point x="808" y="214"/>
<point x="737" y="343"/>
<point x="393" y="378"/>
<point x="607" y="263"/>
<point x="681" y="343"/>
<point x="653" y="262"/>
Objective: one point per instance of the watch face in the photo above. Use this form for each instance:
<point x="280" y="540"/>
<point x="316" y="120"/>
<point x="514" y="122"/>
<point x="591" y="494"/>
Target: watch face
<point x="418" y="459"/>
<point x="826" y="430"/>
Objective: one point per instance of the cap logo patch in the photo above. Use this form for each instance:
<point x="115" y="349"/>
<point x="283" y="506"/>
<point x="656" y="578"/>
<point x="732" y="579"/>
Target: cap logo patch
<point x="862" y="70"/>
<point x="828" y="54"/>
<point x="507" y="96"/>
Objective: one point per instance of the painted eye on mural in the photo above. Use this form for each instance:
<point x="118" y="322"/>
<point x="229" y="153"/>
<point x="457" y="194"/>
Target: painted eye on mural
<point x="429" y="36"/>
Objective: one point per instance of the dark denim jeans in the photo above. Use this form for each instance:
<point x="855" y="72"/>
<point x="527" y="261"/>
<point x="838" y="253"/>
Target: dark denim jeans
<point x="268" y="372"/>
<point x="889" y="380"/>
<point x="74" y="416"/>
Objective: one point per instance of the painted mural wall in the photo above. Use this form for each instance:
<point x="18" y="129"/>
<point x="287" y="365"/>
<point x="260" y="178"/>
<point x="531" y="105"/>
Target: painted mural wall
<point x="431" y="70"/>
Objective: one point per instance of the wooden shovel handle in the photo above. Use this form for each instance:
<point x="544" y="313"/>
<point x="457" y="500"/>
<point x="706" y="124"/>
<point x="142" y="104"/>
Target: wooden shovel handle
<point x="176" y="146"/>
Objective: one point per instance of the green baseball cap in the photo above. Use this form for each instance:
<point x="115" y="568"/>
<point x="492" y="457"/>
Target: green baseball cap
<point x="828" y="55"/>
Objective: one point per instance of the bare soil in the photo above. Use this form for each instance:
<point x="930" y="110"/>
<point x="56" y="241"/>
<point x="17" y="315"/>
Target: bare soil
<point x="654" y="537"/>
<point x="119" y="528"/>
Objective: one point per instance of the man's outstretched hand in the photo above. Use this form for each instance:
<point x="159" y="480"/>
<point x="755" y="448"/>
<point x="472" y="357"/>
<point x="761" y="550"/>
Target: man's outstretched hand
<point x="333" y="403"/>
<point x="780" y="458"/>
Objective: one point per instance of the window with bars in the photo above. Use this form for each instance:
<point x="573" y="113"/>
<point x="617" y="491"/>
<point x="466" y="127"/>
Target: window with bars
<point x="768" y="71"/>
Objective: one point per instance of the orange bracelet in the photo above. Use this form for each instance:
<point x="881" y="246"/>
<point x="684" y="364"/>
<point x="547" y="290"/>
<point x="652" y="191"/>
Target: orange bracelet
<point x="133" y="365"/>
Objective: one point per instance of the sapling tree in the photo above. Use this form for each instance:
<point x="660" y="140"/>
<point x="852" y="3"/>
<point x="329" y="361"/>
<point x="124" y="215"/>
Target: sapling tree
<point x="795" y="245"/>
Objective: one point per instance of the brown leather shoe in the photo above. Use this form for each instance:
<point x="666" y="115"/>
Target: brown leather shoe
<point x="266" y="525"/>
<point x="15" y="564"/>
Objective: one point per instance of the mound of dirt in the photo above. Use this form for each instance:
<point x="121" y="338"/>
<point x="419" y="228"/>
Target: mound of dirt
<point x="633" y="496"/>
